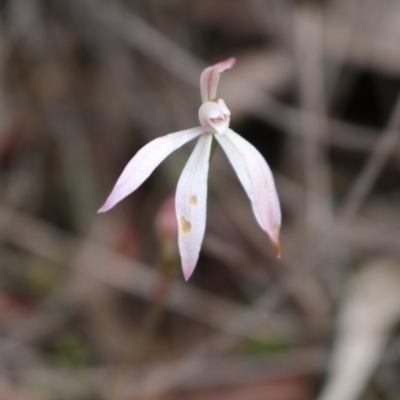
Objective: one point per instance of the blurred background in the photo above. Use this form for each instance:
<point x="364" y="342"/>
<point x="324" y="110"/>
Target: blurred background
<point x="95" y="306"/>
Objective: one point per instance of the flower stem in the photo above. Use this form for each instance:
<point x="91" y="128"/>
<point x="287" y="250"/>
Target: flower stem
<point x="213" y="147"/>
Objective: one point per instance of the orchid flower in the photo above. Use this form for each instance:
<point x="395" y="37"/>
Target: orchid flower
<point x="191" y="194"/>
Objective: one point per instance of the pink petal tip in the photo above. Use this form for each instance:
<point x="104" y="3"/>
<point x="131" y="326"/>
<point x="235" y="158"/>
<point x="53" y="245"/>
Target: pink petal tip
<point x="187" y="275"/>
<point x="210" y="77"/>
<point x="104" y="208"/>
<point x="226" y="64"/>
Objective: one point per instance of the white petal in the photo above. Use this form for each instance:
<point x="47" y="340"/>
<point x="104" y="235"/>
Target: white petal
<point x="145" y="162"/>
<point x="210" y="77"/>
<point x="256" y="178"/>
<point x="191" y="204"/>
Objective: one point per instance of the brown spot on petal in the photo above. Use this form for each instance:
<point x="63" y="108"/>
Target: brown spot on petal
<point x="275" y="243"/>
<point x="185" y="225"/>
<point x="277" y="249"/>
<point x="165" y="137"/>
<point x="193" y="200"/>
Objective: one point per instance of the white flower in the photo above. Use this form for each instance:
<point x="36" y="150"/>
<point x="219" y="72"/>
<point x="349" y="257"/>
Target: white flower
<point x="191" y="194"/>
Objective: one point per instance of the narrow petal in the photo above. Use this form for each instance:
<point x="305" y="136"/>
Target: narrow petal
<point x="210" y="77"/>
<point x="145" y="162"/>
<point x="191" y="204"/>
<point x="256" y="178"/>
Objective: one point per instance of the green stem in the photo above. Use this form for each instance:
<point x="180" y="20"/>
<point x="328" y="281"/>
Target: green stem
<point x="213" y="147"/>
